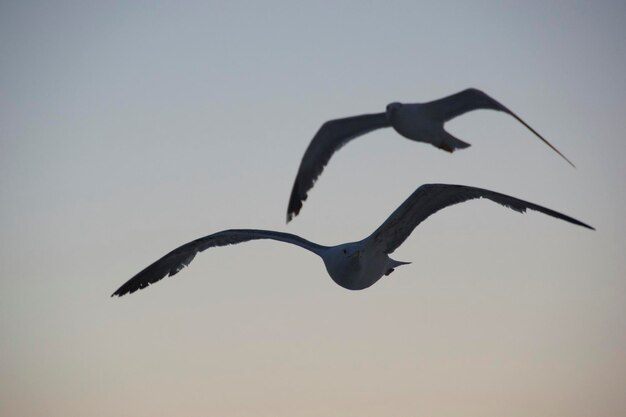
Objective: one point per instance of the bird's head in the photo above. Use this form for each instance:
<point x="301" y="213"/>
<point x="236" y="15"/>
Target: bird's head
<point x="392" y="108"/>
<point x="344" y="264"/>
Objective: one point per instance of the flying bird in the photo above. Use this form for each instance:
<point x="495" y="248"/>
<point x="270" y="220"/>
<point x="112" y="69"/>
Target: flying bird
<point x="421" y="122"/>
<point x="354" y="265"/>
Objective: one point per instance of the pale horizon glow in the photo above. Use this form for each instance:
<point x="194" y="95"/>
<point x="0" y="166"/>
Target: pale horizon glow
<point x="129" y="129"/>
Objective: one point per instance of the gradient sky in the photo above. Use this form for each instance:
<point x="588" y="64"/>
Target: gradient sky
<point x="129" y="129"/>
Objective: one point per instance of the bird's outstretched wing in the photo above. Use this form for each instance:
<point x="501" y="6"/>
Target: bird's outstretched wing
<point x="430" y="198"/>
<point x="329" y="139"/>
<point x="182" y="256"/>
<point x="449" y="107"/>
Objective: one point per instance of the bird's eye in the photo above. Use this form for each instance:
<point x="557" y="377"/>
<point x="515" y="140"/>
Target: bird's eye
<point x="345" y="251"/>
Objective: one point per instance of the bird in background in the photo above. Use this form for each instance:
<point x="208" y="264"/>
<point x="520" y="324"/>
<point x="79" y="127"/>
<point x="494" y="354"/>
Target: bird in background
<point x="354" y="265"/>
<point x="421" y="122"/>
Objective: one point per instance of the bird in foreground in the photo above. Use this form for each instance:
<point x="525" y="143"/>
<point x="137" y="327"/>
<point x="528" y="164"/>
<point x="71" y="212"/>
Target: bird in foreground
<point x="354" y="265"/>
<point x="421" y="122"/>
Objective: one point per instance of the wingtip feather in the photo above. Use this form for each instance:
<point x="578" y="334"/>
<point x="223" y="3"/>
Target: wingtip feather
<point x="295" y="202"/>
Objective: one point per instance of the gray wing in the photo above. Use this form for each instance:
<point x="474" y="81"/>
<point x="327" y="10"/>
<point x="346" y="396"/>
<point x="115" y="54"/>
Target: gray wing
<point x="329" y="139"/>
<point x="449" y="107"/>
<point x="430" y="198"/>
<point x="182" y="256"/>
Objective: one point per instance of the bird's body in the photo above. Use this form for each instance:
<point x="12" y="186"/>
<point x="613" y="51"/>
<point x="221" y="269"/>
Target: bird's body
<point x="416" y="122"/>
<point x="355" y="265"/>
<point x="360" y="266"/>
<point x="420" y="122"/>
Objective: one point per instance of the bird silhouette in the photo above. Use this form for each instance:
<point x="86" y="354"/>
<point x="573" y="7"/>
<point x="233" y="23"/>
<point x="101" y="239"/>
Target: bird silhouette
<point x="354" y="265"/>
<point x="421" y="122"/>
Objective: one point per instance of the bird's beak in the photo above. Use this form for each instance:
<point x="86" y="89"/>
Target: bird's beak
<point x="356" y="254"/>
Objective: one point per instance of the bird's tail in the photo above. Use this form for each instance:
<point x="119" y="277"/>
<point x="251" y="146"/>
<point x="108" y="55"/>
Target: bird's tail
<point x="450" y="143"/>
<point x="394" y="265"/>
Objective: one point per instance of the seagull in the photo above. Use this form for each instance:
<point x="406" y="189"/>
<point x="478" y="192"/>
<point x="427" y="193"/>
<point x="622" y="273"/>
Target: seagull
<point x="354" y="265"/>
<point x="421" y="122"/>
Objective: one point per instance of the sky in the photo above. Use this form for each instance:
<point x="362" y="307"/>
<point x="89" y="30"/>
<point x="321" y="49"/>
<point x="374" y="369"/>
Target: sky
<point x="129" y="128"/>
